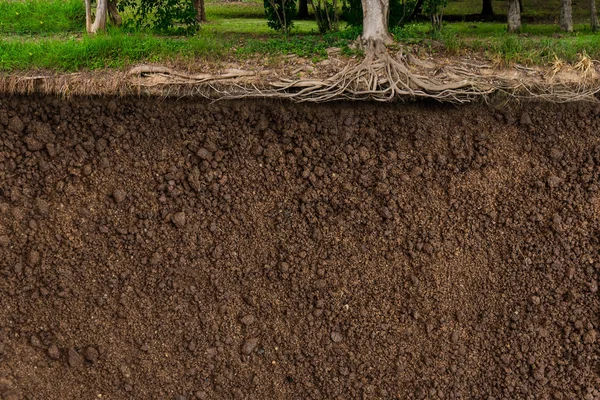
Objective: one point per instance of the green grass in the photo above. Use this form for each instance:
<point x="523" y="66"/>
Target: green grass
<point x="49" y="34"/>
<point x="41" y="16"/>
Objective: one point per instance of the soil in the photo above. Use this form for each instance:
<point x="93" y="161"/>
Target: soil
<point x="161" y="249"/>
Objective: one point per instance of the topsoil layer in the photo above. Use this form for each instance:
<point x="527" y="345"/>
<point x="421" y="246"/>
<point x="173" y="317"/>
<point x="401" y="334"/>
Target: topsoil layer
<point x="180" y="250"/>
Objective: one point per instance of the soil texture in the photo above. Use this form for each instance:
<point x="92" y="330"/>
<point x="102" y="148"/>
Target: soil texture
<point x="161" y="249"/>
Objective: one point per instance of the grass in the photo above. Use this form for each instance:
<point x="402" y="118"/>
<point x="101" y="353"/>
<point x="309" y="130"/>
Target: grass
<point x="49" y="34"/>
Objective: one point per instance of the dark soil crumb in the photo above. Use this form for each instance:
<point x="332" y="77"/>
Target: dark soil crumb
<point x="154" y="249"/>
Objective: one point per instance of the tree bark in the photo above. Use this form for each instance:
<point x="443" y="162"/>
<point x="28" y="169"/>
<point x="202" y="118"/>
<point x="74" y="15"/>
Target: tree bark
<point x="302" y="9"/>
<point x="514" y="16"/>
<point x="594" y="16"/>
<point x="376" y="15"/>
<point x="566" y="15"/>
<point x="88" y="16"/>
<point x="487" y="10"/>
<point x="100" y="19"/>
<point x="113" y="13"/>
<point x="200" y="10"/>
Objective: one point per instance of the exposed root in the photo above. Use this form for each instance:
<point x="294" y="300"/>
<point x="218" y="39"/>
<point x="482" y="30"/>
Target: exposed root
<point x="380" y="77"/>
<point x="180" y="78"/>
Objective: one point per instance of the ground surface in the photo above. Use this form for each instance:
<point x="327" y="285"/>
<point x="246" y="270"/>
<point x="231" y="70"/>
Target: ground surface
<point x="179" y="250"/>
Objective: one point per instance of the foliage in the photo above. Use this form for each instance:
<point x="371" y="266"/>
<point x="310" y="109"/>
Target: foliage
<point x="401" y="12"/>
<point x="435" y="10"/>
<point x="175" y="16"/>
<point x="280" y="14"/>
<point x="326" y="15"/>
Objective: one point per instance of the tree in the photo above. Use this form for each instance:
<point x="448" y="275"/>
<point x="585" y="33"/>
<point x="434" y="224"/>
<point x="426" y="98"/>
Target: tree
<point x="113" y="13"/>
<point x="594" y="16"/>
<point x="514" y="16"/>
<point x="375" y="22"/>
<point x="303" y="9"/>
<point x="487" y="10"/>
<point x="99" y="22"/>
<point x="200" y="10"/>
<point x="566" y="15"/>
<point x="104" y="9"/>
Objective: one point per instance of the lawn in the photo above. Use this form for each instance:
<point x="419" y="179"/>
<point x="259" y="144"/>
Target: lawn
<point x="49" y="34"/>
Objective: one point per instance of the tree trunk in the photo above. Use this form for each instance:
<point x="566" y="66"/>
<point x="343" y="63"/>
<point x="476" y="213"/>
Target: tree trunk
<point x="303" y="9"/>
<point x="113" y="13"/>
<point x="376" y="15"/>
<point x="88" y="16"/>
<point x="487" y="10"/>
<point x="99" y="23"/>
<point x="514" y="16"/>
<point x="200" y="10"/>
<point x="566" y="15"/>
<point x="594" y="16"/>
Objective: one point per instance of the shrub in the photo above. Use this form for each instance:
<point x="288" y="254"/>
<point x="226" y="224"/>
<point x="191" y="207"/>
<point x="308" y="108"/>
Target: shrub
<point x="177" y="16"/>
<point x="280" y="14"/>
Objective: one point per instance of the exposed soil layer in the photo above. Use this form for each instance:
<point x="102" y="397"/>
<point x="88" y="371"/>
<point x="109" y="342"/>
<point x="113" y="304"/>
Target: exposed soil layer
<point x="184" y="250"/>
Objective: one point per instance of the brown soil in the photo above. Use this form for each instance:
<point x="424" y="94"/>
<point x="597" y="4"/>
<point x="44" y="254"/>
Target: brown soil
<point x="178" y="250"/>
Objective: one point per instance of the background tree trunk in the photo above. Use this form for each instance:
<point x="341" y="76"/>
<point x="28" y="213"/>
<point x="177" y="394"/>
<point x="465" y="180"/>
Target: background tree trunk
<point x="303" y="9"/>
<point x="113" y="13"/>
<point x="566" y="15"/>
<point x="200" y="10"/>
<point x="594" y="16"/>
<point x="487" y="11"/>
<point x="88" y="16"/>
<point x="514" y="16"/>
<point x="375" y="21"/>
<point x="99" y="23"/>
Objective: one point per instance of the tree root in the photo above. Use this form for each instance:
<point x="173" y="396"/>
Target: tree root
<point x="179" y="78"/>
<point x="379" y="77"/>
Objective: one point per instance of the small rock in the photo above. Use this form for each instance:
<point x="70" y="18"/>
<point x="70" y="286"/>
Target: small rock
<point x="554" y="181"/>
<point x="4" y="240"/>
<point x="536" y="300"/>
<point x="91" y="354"/>
<point x="336" y="337"/>
<point x="247" y="319"/>
<point x="249" y="346"/>
<point x="53" y="352"/>
<point x="180" y="397"/>
<point x="179" y="219"/>
<point x="73" y="357"/>
<point x="119" y="195"/>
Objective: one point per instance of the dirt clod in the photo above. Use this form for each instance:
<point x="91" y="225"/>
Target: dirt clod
<point x="179" y="219"/>
<point x="119" y="195"/>
<point x="74" y="358"/>
<point x="53" y="352"/>
<point x="249" y="345"/>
